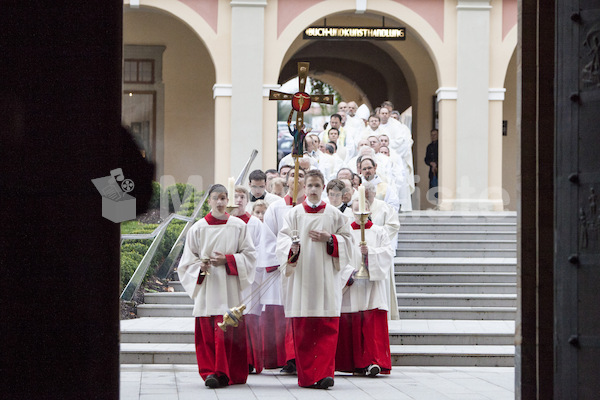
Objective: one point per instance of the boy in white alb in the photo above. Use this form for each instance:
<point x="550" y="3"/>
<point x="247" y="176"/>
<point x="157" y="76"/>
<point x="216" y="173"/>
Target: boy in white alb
<point x="251" y="295"/>
<point x="313" y="243"/>
<point x="219" y="246"/>
<point x="363" y="342"/>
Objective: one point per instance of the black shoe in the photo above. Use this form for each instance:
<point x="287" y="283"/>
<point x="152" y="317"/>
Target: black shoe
<point x="373" y="370"/>
<point x="223" y="380"/>
<point x="290" y="368"/>
<point x="212" y="381"/>
<point x="325" y="383"/>
<point x="250" y="368"/>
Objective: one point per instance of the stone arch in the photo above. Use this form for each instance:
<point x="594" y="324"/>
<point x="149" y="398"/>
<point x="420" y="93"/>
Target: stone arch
<point x="194" y="21"/>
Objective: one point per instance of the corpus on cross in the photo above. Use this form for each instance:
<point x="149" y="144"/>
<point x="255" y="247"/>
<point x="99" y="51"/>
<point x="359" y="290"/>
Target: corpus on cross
<point x="301" y="102"/>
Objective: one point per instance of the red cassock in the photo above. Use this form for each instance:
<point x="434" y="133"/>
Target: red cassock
<point x="315" y="341"/>
<point x="221" y="353"/>
<point x="363" y="340"/>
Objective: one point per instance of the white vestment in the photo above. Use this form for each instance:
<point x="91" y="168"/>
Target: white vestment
<point x="401" y="143"/>
<point x="219" y="291"/>
<point x="368" y="294"/>
<point x="312" y="287"/>
<point x="383" y="215"/>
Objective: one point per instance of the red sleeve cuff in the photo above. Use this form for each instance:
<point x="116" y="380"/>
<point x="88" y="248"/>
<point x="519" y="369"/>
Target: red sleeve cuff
<point x="200" y="278"/>
<point x="231" y="265"/>
<point x="271" y="269"/>
<point x="332" y="250"/>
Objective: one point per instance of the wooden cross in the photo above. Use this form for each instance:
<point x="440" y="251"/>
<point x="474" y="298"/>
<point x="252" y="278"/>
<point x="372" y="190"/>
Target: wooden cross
<point x="301" y="102"/>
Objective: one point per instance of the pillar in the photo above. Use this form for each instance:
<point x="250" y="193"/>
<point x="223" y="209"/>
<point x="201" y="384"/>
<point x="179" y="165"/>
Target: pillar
<point x="222" y="96"/>
<point x="247" y="58"/>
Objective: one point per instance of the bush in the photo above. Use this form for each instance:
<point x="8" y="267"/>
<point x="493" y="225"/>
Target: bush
<point x="155" y="199"/>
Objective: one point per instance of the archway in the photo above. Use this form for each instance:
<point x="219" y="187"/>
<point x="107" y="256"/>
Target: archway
<point x="400" y="71"/>
<point x="186" y="145"/>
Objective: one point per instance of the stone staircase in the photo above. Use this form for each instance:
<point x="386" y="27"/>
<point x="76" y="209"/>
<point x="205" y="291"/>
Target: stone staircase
<point x="455" y="310"/>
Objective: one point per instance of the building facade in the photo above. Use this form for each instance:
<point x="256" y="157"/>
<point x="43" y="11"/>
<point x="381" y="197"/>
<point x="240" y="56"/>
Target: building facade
<point x="213" y="62"/>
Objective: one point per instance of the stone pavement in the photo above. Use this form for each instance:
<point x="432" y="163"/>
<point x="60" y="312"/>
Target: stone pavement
<point x="182" y="382"/>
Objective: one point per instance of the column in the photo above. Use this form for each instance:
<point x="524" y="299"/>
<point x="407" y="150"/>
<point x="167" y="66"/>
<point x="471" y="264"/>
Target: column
<point x="446" y="98"/>
<point x="222" y="96"/>
<point x="247" y="55"/>
<point x="472" y="106"/>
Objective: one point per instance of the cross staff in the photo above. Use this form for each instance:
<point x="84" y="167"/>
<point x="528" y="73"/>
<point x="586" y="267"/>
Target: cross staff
<point x="301" y="102"/>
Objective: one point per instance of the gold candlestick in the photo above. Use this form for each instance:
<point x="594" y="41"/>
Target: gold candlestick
<point x="205" y="260"/>
<point x="230" y="208"/>
<point x="363" y="272"/>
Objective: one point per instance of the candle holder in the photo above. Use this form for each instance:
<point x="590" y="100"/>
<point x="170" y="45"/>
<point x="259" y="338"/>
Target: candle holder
<point x="363" y="272"/>
<point x="205" y="260"/>
<point x="232" y="317"/>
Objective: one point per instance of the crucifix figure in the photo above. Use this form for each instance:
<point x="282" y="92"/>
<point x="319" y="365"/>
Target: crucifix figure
<point x="301" y="102"/>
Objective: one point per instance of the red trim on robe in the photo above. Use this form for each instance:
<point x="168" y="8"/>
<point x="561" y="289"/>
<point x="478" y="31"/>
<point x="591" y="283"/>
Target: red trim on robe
<point x="315" y="210"/>
<point x="288" y="199"/>
<point x="356" y="226"/>
<point x="231" y="266"/>
<point x="215" y="221"/>
<point x="290" y="351"/>
<point x="245" y="217"/>
<point x="200" y="279"/>
<point x="221" y="353"/>
<point x="333" y="250"/>
<point x="363" y="340"/>
<point x="315" y="340"/>
<point x="271" y="269"/>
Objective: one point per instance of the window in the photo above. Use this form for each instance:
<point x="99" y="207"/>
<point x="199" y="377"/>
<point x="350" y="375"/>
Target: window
<point x="138" y="71"/>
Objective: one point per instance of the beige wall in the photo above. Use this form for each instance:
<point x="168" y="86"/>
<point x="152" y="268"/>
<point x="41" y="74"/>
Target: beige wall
<point x="188" y="76"/>
<point x="510" y="143"/>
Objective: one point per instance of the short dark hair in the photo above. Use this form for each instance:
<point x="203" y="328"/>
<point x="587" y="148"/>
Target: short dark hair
<point x="367" y="158"/>
<point x="333" y="129"/>
<point x="342" y="169"/>
<point x="333" y="144"/>
<point x="387" y="104"/>
<point x="257" y="175"/>
<point x="314" y="173"/>
<point x="375" y="116"/>
<point x="359" y="178"/>
<point x="285" y="166"/>
<point x="336" y="184"/>
<point x="217" y="188"/>
<point x="271" y="171"/>
<point x="338" y="116"/>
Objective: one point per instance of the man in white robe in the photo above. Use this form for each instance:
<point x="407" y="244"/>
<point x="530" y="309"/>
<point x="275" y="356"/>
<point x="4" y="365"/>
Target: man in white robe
<point x="401" y="143"/>
<point x="383" y="215"/>
<point x="251" y="294"/>
<point x="314" y="241"/>
<point x="363" y="342"/>
<point x="386" y="191"/>
<point x="258" y="189"/>
<point x="219" y="246"/>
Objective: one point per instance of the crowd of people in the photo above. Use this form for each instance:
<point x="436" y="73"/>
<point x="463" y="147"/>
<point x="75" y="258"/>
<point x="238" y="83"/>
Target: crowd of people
<point x="293" y="262"/>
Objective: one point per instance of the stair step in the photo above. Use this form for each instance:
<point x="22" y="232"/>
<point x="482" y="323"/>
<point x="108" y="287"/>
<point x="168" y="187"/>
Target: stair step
<point x="456" y="277"/>
<point x="454" y="287"/>
<point x="456" y="244"/>
<point x="168" y="298"/>
<point x="456" y="355"/>
<point x="459" y="253"/>
<point x="406" y="234"/>
<point x="476" y="356"/>
<point x="464" y="313"/>
<point x="164" y="310"/>
<point x="457" y="299"/>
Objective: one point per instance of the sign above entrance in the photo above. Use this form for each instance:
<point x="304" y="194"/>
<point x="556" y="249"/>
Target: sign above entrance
<point x="353" y="32"/>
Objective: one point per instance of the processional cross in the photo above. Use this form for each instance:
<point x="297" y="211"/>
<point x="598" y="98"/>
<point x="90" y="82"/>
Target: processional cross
<point x="301" y="102"/>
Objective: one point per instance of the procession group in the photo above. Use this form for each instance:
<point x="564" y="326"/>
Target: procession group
<point x="286" y="253"/>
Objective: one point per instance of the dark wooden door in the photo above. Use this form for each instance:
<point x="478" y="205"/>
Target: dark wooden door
<point x="577" y="184"/>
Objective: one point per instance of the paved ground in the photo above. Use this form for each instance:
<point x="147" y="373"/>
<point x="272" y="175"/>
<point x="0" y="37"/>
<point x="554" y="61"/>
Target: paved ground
<point x="182" y="382"/>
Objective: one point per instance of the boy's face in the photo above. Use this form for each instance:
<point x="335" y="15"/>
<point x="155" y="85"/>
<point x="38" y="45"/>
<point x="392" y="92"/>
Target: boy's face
<point x="241" y="200"/>
<point x="258" y="187"/>
<point x="314" y="189"/>
<point x="217" y="202"/>
<point x="335" y="197"/>
<point x="259" y="212"/>
<point x="290" y="181"/>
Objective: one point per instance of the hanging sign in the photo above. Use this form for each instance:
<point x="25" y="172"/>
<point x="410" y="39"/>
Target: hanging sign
<point x="353" y="32"/>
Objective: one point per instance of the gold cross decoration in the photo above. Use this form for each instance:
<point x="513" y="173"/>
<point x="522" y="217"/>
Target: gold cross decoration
<point x="301" y="102"/>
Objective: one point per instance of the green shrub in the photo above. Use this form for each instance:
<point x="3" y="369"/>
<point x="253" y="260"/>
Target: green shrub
<point x="155" y="199"/>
